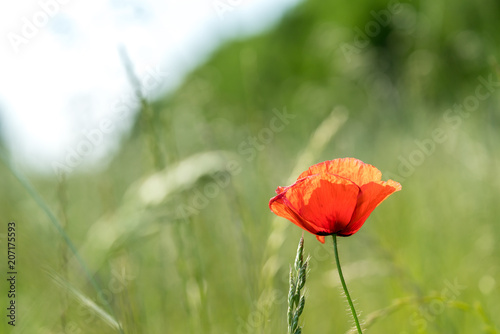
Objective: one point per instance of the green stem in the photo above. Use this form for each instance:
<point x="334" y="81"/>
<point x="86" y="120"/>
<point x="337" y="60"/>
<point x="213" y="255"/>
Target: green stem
<point x="353" y="310"/>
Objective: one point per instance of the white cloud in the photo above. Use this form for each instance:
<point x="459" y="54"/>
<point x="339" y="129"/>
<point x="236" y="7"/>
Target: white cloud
<point x="69" y="76"/>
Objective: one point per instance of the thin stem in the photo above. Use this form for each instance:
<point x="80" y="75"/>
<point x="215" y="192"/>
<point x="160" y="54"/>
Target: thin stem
<point x="41" y="203"/>
<point x="353" y="310"/>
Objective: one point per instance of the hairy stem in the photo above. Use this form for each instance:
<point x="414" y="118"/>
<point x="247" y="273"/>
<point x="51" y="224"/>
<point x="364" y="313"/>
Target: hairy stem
<point x="353" y="310"/>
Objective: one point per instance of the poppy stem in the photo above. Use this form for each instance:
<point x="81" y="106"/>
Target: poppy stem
<point x="339" y="269"/>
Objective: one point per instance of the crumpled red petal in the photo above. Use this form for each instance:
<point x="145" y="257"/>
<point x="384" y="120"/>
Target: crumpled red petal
<point x="333" y="197"/>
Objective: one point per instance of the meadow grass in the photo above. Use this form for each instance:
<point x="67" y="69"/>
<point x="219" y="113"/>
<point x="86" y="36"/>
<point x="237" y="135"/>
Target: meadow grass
<point x="175" y="236"/>
<point x="436" y="234"/>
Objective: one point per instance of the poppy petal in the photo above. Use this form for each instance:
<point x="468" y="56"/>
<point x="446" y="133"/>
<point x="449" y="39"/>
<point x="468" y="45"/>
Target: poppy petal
<point x="321" y="238"/>
<point x="350" y="168"/>
<point x="279" y="190"/>
<point x="326" y="201"/>
<point x="333" y="197"/>
<point x="280" y="206"/>
<point x="371" y="195"/>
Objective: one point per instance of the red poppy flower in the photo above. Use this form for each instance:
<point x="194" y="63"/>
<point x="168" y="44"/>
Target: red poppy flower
<point x="333" y="197"/>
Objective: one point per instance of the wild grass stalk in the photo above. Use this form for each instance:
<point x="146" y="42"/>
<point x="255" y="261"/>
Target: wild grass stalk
<point x="58" y="226"/>
<point x="85" y="301"/>
<point x="148" y="118"/>
<point x="63" y="206"/>
<point x="296" y="298"/>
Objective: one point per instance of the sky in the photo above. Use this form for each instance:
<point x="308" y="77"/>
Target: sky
<point x="65" y="98"/>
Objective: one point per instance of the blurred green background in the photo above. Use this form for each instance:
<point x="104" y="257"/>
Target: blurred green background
<point x="177" y="232"/>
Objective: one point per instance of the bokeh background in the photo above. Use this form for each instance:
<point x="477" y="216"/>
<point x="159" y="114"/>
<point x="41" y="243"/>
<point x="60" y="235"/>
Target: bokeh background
<point x="174" y="234"/>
